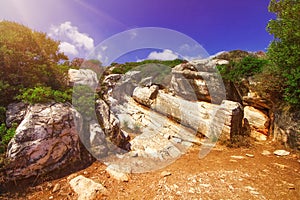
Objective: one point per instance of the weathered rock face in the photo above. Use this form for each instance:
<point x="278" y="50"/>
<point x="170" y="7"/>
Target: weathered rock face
<point x="111" y="125"/>
<point x="253" y="99"/>
<point x="258" y="121"/>
<point x="198" y="80"/>
<point x="208" y="119"/>
<point x="46" y="140"/>
<point x="97" y="141"/>
<point x="145" y="95"/>
<point x="287" y="128"/>
<point x="15" y="113"/>
<point x="83" y="77"/>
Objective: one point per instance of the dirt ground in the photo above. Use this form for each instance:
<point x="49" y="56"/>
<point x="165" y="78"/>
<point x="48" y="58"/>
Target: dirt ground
<point x="219" y="175"/>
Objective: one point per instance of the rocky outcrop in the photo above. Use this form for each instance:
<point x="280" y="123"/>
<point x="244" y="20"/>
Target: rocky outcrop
<point x="97" y="141"/>
<point x="83" y="77"/>
<point x="46" y="140"/>
<point x="15" y="113"/>
<point x="207" y="119"/>
<point x="258" y="121"/>
<point x="287" y="128"/>
<point x="198" y="80"/>
<point x="110" y="125"/>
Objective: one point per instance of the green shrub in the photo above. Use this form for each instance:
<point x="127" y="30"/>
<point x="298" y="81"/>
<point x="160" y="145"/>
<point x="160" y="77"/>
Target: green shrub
<point x="83" y="100"/>
<point x="28" y="59"/>
<point x="284" y="50"/>
<point x="235" y="71"/>
<point x="2" y="114"/>
<point x="41" y="94"/>
<point x="123" y="68"/>
<point x="6" y="134"/>
<point x="269" y="83"/>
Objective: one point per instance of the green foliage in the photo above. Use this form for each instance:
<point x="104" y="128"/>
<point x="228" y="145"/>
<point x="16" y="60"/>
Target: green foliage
<point x="28" y="59"/>
<point x="41" y="94"/>
<point x="83" y="100"/>
<point x="6" y="134"/>
<point x="2" y="114"/>
<point x="123" y="68"/>
<point x="269" y="83"/>
<point x="237" y="70"/>
<point x="284" y="51"/>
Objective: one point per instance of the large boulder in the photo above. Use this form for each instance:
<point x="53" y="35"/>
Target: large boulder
<point x="198" y="80"/>
<point x="259" y="122"/>
<point x="46" y="140"/>
<point x="83" y="77"/>
<point x="287" y="128"/>
<point x="208" y="119"/>
<point x="145" y="95"/>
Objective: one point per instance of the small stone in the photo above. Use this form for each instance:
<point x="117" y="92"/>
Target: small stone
<point x="291" y="186"/>
<point x="280" y="165"/>
<point x="237" y="157"/>
<point x="86" y="188"/>
<point x="266" y="153"/>
<point x="254" y="192"/>
<point x="250" y="188"/>
<point x="85" y="172"/>
<point x="56" y="187"/>
<point x="281" y="153"/>
<point x="49" y="185"/>
<point x="231" y="160"/>
<point x="205" y="185"/>
<point x="51" y="197"/>
<point x="120" y="176"/>
<point x="192" y="191"/>
<point x="250" y="155"/>
<point x="165" y="173"/>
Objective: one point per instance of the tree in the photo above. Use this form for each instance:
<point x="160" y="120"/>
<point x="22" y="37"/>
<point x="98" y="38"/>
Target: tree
<point x="28" y="59"/>
<point x="284" y="51"/>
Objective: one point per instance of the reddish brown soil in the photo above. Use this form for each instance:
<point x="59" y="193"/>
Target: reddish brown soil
<point x="217" y="176"/>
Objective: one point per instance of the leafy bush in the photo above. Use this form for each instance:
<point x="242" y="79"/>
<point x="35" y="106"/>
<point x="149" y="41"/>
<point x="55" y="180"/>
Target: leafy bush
<point x="28" y="59"/>
<point x="284" y="51"/>
<point x="84" y="100"/>
<point x="237" y="70"/>
<point x="2" y="114"/>
<point x="43" y="94"/>
<point x="6" y="134"/>
<point x="269" y="83"/>
<point x="123" y="68"/>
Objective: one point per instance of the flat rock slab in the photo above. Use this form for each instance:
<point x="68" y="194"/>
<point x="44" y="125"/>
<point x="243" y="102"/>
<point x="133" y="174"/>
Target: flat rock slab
<point x="281" y="153"/>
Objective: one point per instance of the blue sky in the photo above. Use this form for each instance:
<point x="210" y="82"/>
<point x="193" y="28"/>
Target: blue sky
<point x="81" y="25"/>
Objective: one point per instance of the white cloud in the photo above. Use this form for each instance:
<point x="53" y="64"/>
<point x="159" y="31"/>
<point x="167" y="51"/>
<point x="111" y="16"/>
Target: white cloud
<point x="68" y="48"/>
<point x="165" y="55"/>
<point x="72" y="40"/>
<point x="103" y="48"/>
